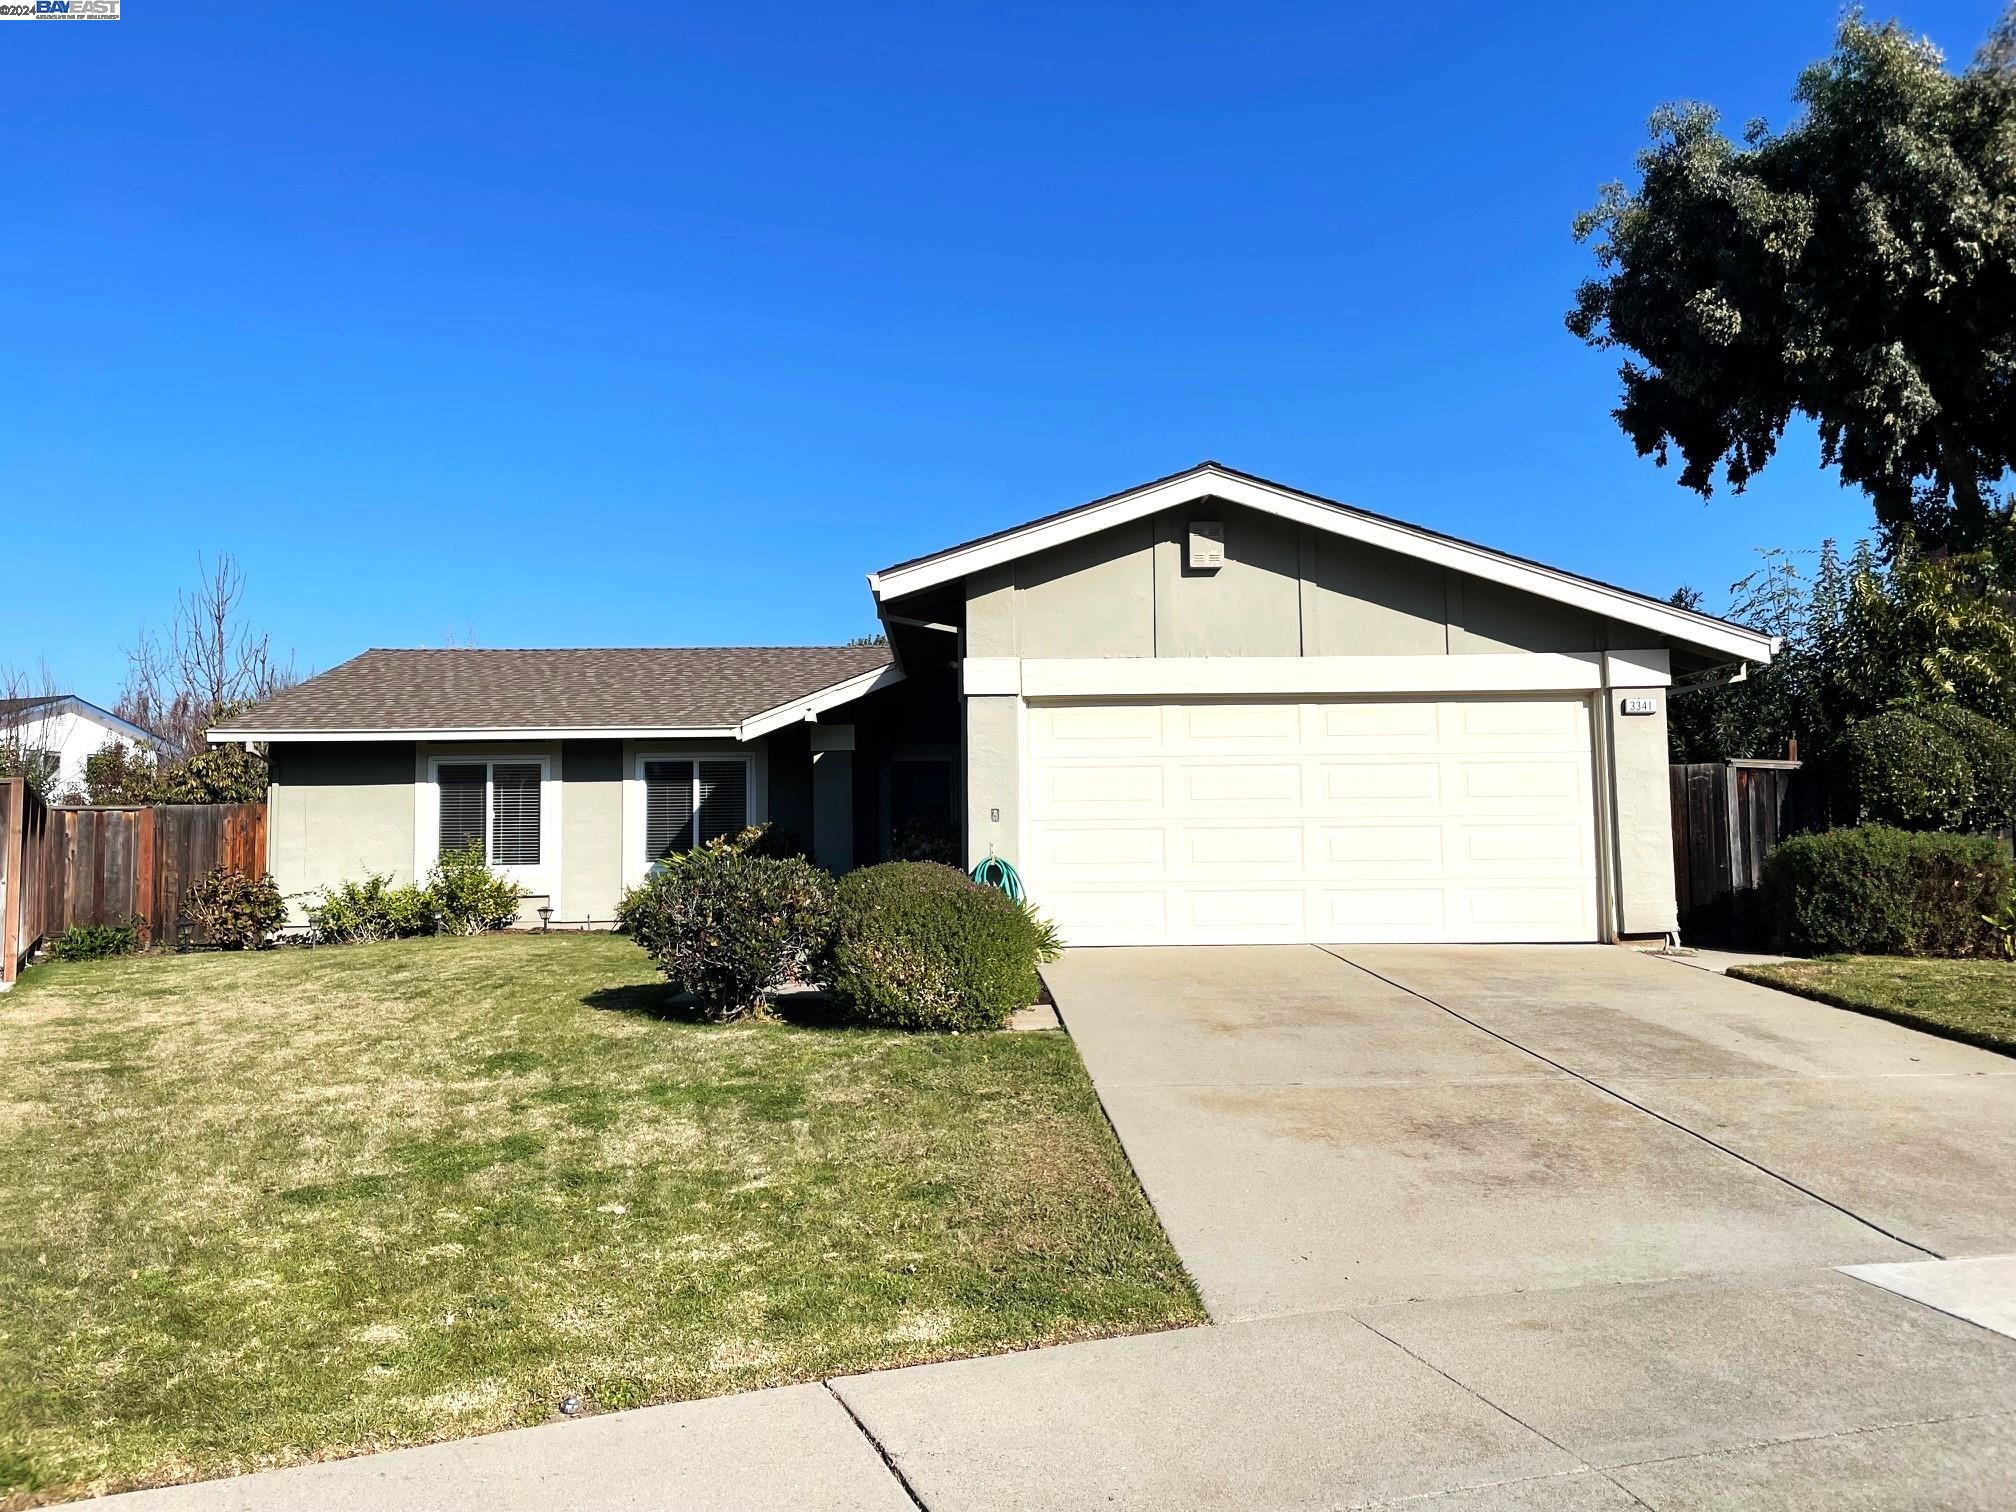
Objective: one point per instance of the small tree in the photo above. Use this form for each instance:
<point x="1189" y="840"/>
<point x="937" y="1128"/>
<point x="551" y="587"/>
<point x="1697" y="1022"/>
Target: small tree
<point x="1856" y="268"/>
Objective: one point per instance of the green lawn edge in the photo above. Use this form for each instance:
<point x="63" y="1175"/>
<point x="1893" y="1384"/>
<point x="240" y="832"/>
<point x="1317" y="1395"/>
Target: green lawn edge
<point x="1780" y="979"/>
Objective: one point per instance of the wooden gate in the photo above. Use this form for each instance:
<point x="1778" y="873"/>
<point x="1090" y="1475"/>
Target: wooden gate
<point x="1727" y="817"/>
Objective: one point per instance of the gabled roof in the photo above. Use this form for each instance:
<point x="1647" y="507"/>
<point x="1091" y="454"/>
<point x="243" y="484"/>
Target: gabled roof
<point x="736" y="692"/>
<point x="49" y="705"/>
<point x="1213" y="480"/>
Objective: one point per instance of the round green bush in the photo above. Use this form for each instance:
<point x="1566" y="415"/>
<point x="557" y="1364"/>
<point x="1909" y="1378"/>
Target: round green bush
<point x="1875" y="890"/>
<point x="1990" y="749"/>
<point x="919" y="945"/>
<point x="729" y="926"/>
<point x="1906" y="771"/>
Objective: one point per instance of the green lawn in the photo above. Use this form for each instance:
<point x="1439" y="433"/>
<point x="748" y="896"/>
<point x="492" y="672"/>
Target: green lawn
<point x="1973" y="1001"/>
<point x="268" y="1208"/>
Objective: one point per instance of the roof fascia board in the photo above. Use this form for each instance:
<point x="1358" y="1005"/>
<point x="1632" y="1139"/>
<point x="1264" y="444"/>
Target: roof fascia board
<point x="488" y="732"/>
<point x="1475" y="561"/>
<point x="813" y="705"/>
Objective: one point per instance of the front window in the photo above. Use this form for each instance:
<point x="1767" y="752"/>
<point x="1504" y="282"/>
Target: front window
<point x="688" y="803"/>
<point x="493" y="805"/>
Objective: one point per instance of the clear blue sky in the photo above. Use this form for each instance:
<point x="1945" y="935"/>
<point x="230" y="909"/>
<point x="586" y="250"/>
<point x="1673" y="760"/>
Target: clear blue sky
<point x="613" y="324"/>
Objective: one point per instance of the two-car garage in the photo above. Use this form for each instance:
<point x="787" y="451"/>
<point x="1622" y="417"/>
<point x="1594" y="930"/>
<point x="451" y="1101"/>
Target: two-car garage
<point x="1221" y="821"/>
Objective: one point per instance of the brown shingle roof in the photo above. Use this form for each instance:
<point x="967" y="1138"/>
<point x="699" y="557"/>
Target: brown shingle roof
<point x="650" y="687"/>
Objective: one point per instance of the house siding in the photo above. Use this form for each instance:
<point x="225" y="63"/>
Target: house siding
<point x="1285" y="590"/>
<point x="337" y="812"/>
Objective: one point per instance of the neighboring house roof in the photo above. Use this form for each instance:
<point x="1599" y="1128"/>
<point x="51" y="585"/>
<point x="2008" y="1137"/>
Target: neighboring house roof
<point x="1213" y="480"/>
<point x="735" y="691"/>
<point x="49" y="705"/>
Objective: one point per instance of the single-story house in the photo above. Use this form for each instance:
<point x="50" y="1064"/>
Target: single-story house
<point x="71" y="730"/>
<point x="1208" y="710"/>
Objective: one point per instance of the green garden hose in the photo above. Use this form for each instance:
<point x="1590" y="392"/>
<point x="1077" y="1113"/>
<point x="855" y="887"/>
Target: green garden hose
<point x="999" y="874"/>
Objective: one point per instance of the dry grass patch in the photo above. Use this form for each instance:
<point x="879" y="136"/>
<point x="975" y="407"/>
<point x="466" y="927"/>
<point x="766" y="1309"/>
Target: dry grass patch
<point x="282" y="1207"/>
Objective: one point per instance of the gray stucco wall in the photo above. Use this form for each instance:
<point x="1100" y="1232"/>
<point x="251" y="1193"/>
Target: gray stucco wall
<point x="1285" y="590"/>
<point x="591" y="828"/>
<point x="336" y="812"/>
<point x="1642" y="800"/>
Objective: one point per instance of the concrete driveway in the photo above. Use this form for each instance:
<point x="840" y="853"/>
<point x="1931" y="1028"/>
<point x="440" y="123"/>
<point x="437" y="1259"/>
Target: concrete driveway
<point x="1340" y="1130"/>
<point x="1518" y="1228"/>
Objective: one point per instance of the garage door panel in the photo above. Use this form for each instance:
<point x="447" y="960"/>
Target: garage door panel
<point x="1218" y="848"/>
<point x="1376" y="727"/>
<point x="1523" y="848"/>
<point x="1095" y="729"/>
<point x="1103" y="789"/>
<point x="1386" y="849"/>
<point x="1063" y="849"/>
<point x="1332" y="820"/>
<point x="1506" y="780"/>
<point x="1220" y="784"/>
<point x="1229" y="911"/>
<point x="1381" y="783"/>
<point x="1244" y="727"/>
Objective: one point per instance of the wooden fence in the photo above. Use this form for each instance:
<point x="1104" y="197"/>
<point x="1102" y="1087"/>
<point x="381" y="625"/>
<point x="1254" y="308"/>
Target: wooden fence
<point x="24" y="863"/>
<point x="111" y="865"/>
<point x="1727" y="817"/>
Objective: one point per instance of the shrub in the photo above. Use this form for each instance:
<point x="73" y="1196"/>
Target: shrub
<point x="94" y="942"/>
<point x="471" y="898"/>
<point x="729" y="926"/>
<point x="234" y="911"/>
<point x="1990" y="749"/>
<point x="1874" y="890"/>
<point x="1906" y="771"/>
<point x="918" y="945"/>
<point x="373" y="909"/>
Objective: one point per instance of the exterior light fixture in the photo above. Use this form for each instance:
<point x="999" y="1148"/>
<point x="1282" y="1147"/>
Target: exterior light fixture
<point x="545" y="917"/>
<point x="185" y="933"/>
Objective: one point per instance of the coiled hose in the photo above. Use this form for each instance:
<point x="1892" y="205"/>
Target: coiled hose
<point x="1000" y="875"/>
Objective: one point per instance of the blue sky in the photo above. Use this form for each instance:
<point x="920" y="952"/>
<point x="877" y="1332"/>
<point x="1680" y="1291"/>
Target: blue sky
<point x="591" y="324"/>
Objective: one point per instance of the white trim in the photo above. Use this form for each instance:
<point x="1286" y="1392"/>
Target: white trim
<point x="636" y="865"/>
<point x="814" y="704"/>
<point x="1299" y="676"/>
<point x="1637" y="669"/>
<point x="807" y="706"/>
<point x="498" y="732"/>
<point x="1215" y="483"/>
<point x="542" y="880"/>
<point x="984" y="675"/>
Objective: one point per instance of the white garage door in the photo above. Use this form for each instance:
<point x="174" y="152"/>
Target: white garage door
<point x="1213" y="822"/>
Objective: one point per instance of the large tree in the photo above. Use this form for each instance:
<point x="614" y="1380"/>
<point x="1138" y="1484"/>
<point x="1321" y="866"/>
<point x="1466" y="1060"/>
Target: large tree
<point x="1858" y="268"/>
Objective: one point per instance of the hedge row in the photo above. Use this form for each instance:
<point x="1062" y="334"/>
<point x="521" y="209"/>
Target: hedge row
<point x="1876" y="890"/>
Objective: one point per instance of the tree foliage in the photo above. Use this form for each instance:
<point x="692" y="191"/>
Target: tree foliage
<point x="1862" y="635"/>
<point x="1858" y="268"/>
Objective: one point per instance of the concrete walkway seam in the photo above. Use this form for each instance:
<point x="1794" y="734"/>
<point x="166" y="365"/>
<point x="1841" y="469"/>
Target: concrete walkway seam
<point x="882" y="1453"/>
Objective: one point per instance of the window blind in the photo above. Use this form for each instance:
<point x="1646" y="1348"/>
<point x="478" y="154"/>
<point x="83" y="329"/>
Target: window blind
<point x="668" y="808"/>
<point x="724" y="798"/>
<point x="461" y="806"/>
<point x="514" y="817"/>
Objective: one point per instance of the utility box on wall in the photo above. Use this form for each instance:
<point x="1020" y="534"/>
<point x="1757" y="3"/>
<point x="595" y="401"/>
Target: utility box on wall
<point x="1207" y="545"/>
